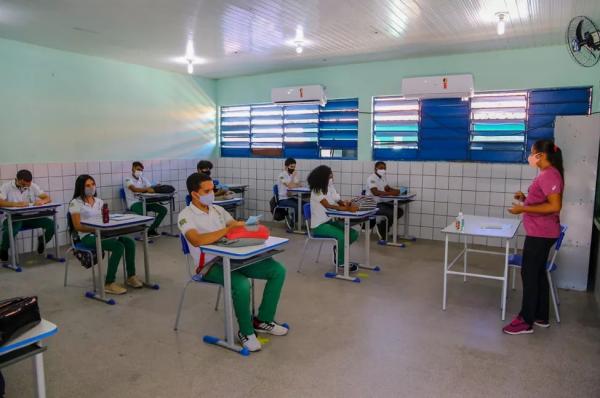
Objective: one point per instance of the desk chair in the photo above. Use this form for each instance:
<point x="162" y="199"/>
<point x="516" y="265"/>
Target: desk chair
<point x="516" y="260"/>
<point x="378" y="218"/>
<point x="288" y="209"/>
<point x="311" y="237"/>
<point x="199" y="278"/>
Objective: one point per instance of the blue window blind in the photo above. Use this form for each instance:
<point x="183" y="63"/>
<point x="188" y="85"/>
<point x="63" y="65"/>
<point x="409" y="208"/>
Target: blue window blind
<point x="444" y="129"/>
<point x="301" y="131"/>
<point x="546" y="104"/>
<point x="235" y="131"/>
<point x="497" y="126"/>
<point x="266" y="133"/>
<point x="395" y="128"/>
<point x="338" y="129"/>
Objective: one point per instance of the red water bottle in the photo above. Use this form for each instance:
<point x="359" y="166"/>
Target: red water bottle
<point x="105" y="214"/>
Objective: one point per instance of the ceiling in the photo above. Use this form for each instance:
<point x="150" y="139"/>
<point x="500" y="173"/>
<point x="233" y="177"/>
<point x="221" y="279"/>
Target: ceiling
<point x="252" y="36"/>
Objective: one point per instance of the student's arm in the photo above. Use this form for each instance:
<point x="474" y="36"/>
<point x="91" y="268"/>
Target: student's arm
<point x="8" y="203"/>
<point x="377" y="192"/>
<point x="392" y="191"/>
<point x="552" y="206"/>
<point x="198" y="239"/>
<point x="42" y="197"/>
<point x="338" y="206"/>
<point x="140" y="190"/>
<point x="76" y="220"/>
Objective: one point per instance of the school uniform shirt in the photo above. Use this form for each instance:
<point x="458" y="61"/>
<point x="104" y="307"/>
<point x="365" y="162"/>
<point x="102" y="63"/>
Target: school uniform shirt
<point x="379" y="182"/>
<point x="332" y="195"/>
<point x="11" y="193"/>
<point x="204" y="222"/>
<point x="318" y="212"/>
<point x="286" y="178"/>
<point x="130" y="196"/>
<point x="548" y="181"/>
<point x="85" y="210"/>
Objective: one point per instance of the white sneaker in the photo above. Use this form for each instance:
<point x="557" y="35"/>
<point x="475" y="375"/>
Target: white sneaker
<point x="250" y="342"/>
<point x="270" y="328"/>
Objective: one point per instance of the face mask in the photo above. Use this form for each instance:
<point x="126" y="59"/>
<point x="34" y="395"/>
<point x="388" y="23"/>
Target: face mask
<point x="207" y="200"/>
<point x="138" y="173"/>
<point x="532" y="160"/>
<point x="330" y="181"/>
<point x="207" y="172"/>
<point x="291" y="171"/>
<point x="90" y="191"/>
<point x="381" y="172"/>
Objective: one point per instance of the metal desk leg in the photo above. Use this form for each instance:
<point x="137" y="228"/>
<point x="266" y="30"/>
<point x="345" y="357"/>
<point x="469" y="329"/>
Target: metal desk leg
<point x="407" y="222"/>
<point x="172" y="207"/>
<point x="394" y="241"/>
<point x="445" y="272"/>
<point x="367" y="264"/>
<point x="13" y="247"/>
<point x="40" y="379"/>
<point x="56" y="256"/>
<point x="147" y="282"/>
<point x="94" y="295"/>
<point x="505" y="280"/>
<point x="299" y="215"/>
<point x="143" y="205"/>
<point x="465" y="259"/>
<point x="346" y="275"/>
<point x="228" y="342"/>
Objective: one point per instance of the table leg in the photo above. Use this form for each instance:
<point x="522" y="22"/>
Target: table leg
<point x="367" y="264"/>
<point x="172" y="201"/>
<point x="346" y="275"/>
<point x="445" y="272"/>
<point x="299" y="215"/>
<point x="13" y="247"/>
<point x="94" y="295"/>
<point x="465" y="259"/>
<point x="505" y="280"/>
<point x="228" y="342"/>
<point x="147" y="282"/>
<point x="394" y="241"/>
<point x="143" y="205"/>
<point x="56" y="256"/>
<point x="40" y="379"/>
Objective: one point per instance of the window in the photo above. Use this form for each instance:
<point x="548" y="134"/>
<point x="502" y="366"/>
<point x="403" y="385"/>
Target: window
<point x="498" y="123"/>
<point x="395" y="128"/>
<point x="306" y="131"/>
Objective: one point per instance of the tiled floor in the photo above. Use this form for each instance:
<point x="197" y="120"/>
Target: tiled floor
<point x="384" y="337"/>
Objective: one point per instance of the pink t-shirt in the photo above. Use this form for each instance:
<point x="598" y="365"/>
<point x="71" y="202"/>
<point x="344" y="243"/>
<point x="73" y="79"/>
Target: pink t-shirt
<point x="546" y="183"/>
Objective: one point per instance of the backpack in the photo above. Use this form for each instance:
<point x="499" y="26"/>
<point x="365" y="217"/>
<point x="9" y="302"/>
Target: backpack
<point x="245" y="236"/>
<point x="160" y="188"/>
<point x="279" y="213"/>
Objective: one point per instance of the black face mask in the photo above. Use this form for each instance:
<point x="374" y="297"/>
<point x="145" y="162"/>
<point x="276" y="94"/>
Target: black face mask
<point x="291" y="171"/>
<point x="207" y="172"/>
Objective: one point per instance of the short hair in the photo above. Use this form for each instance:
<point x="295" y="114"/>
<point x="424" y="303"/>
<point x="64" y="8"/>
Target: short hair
<point x="379" y="163"/>
<point x="194" y="181"/>
<point x="137" y="164"/>
<point x="204" y="164"/>
<point x="290" y="161"/>
<point x="24" y="175"/>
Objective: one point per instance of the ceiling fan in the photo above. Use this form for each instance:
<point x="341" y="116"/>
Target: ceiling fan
<point x="583" y="41"/>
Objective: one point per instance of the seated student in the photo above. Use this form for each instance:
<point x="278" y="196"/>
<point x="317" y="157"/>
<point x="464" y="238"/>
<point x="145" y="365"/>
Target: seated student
<point x="21" y="193"/>
<point x="289" y="178"/>
<point x="203" y="223"/>
<point x="205" y="167"/>
<point x="86" y="205"/>
<point x="137" y="183"/>
<point x="378" y="188"/>
<point x="324" y="196"/>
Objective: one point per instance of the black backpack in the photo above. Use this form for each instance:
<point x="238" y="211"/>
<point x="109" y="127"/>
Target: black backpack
<point x="160" y="188"/>
<point x="279" y="213"/>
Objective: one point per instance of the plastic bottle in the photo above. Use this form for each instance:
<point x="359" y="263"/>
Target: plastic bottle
<point x="105" y="214"/>
<point x="460" y="222"/>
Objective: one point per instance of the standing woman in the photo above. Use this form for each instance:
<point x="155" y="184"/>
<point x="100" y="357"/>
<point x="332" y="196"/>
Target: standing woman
<point x="86" y="205"/>
<point x="541" y="209"/>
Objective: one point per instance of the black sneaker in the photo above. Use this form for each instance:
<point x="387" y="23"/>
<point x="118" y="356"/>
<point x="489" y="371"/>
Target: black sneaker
<point x="4" y="255"/>
<point x="41" y="244"/>
<point x="353" y="267"/>
<point x="153" y="234"/>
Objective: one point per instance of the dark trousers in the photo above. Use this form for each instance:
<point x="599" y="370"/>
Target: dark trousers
<point x="536" y="290"/>
<point x="386" y="209"/>
<point x="1" y="386"/>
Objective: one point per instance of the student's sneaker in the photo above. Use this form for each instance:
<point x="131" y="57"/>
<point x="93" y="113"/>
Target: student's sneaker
<point x="541" y="323"/>
<point x="250" y="342"/>
<point x="353" y="267"/>
<point x="153" y="234"/>
<point x="4" y="255"/>
<point x="269" y="327"/>
<point x="381" y="232"/>
<point x="135" y="282"/>
<point x="41" y="244"/>
<point x="518" y="326"/>
<point x="114" y="288"/>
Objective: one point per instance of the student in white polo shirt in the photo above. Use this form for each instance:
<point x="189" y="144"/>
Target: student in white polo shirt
<point x="137" y="183"/>
<point x="86" y="205"/>
<point x="22" y="192"/>
<point x="203" y="223"/>
<point x="289" y="178"/>
<point x="378" y="188"/>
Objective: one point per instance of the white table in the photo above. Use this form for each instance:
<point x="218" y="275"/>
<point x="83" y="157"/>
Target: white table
<point x="229" y="202"/>
<point x="347" y="216"/>
<point x="147" y="197"/>
<point x="30" y="213"/>
<point x="299" y="192"/>
<point x="29" y="344"/>
<point x="405" y="201"/>
<point x="228" y="254"/>
<point x="241" y="189"/>
<point x="119" y="224"/>
<point x="488" y="227"/>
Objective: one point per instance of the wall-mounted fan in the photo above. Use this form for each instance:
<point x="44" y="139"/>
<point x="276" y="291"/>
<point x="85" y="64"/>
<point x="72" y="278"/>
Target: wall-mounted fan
<point x="583" y="41"/>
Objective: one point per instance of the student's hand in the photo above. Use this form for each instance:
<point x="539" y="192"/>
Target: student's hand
<point x="39" y="202"/>
<point x="352" y="207"/>
<point x="516" y="209"/>
<point x="520" y="196"/>
<point x="394" y="192"/>
<point x="236" y="224"/>
<point x="150" y="190"/>
<point x="21" y="204"/>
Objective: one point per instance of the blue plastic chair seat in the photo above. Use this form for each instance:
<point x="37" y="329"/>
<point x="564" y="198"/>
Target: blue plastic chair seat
<point x="516" y="260"/>
<point x="82" y="247"/>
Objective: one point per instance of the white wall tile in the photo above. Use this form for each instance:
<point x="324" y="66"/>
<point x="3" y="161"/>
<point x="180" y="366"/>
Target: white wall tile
<point x="403" y="168"/>
<point x="416" y="168"/>
<point x="441" y="182"/>
<point x="40" y="170"/>
<point x="482" y="198"/>
<point x="8" y="171"/>
<point x="468" y="197"/>
<point x="454" y="196"/>
<point x="427" y="207"/>
<point x="441" y="195"/>
<point x="483" y="184"/>
<point x="499" y="171"/>
<point x="469" y="184"/>
<point x="484" y="170"/>
<point x="416" y="181"/>
<point x="456" y="169"/>
<point x="470" y="170"/>
<point x="513" y="171"/>
<point x="428" y="194"/>
<point x="429" y="168"/>
<point x="428" y="181"/>
<point x="442" y="169"/>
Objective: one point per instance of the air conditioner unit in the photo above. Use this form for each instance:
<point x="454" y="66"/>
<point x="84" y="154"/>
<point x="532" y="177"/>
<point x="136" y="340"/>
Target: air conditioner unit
<point x="314" y="94"/>
<point x="448" y="86"/>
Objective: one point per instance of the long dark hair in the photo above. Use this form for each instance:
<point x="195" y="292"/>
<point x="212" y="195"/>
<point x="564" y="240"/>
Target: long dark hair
<point x="553" y="153"/>
<point x="80" y="186"/>
<point x="318" y="179"/>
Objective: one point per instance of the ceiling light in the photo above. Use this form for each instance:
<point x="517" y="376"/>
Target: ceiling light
<point x="501" y="27"/>
<point x="190" y="66"/>
<point x="299" y="50"/>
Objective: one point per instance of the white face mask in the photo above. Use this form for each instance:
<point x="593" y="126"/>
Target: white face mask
<point x="330" y="181"/>
<point x="208" y="199"/>
<point x="533" y="160"/>
<point x="138" y="173"/>
<point x="381" y="172"/>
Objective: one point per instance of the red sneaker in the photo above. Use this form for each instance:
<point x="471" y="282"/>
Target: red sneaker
<point x="518" y="326"/>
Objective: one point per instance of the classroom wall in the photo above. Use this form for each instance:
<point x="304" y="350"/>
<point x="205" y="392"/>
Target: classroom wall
<point x="510" y="69"/>
<point x="58" y="106"/>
